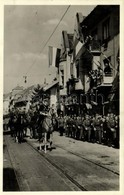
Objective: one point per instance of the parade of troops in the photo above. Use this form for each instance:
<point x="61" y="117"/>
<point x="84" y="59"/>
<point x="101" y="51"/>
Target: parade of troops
<point x="90" y="128"/>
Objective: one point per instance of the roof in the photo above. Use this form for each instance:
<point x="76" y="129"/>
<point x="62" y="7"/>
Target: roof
<point x="24" y="95"/>
<point x="97" y="14"/>
<point x="51" y="85"/>
<point x="18" y="88"/>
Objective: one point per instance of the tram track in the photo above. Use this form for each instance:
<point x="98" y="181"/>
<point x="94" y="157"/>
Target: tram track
<point x="58" y="167"/>
<point x="66" y="172"/>
<point x="82" y="188"/>
<point x="84" y="158"/>
<point x="24" y="183"/>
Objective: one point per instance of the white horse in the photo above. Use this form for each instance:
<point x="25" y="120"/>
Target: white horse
<point x="45" y="132"/>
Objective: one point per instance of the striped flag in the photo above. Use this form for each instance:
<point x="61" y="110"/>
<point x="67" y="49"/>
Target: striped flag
<point x="54" y="56"/>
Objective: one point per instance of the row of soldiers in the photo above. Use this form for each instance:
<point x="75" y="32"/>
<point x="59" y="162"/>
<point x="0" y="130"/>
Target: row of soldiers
<point x="87" y="128"/>
<point x="91" y="128"/>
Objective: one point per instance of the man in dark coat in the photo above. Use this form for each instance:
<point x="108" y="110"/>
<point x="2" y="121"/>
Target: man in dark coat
<point x="87" y="128"/>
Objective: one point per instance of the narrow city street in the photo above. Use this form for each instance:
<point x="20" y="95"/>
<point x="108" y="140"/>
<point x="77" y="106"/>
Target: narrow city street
<point x="61" y="97"/>
<point x="71" y="166"/>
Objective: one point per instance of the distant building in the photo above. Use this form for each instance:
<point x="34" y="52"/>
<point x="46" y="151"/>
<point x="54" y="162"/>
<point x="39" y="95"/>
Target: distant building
<point x="24" y="98"/>
<point x="6" y="103"/>
<point x="15" y="95"/>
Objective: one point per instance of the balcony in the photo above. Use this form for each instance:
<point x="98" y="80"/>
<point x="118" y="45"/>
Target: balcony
<point x="108" y="79"/>
<point x="94" y="46"/>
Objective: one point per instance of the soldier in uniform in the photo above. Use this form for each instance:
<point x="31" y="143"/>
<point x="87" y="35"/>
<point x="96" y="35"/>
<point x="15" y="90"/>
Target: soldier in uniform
<point x="98" y="126"/>
<point x="65" y="124"/>
<point x="87" y="128"/>
<point x="61" y="124"/>
<point x="79" y="133"/>
<point x="74" y="126"/>
<point x="112" y="129"/>
<point x="105" y="131"/>
<point x="69" y="126"/>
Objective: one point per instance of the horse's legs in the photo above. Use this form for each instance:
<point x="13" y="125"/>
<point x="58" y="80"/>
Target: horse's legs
<point x="45" y="142"/>
<point x="31" y="133"/>
<point x="49" y="135"/>
<point x="16" y="134"/>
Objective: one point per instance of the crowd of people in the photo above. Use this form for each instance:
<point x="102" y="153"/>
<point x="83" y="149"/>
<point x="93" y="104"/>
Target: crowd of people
<point x="95" y="128"/>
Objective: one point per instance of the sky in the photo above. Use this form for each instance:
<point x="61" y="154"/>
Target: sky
<point x="26" y="30"/>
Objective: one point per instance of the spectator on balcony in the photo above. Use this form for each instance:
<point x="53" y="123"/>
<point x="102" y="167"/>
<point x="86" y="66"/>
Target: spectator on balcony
<point x="107" y="69"/>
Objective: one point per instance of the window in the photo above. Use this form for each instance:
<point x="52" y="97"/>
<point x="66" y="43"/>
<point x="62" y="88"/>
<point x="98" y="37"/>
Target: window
<point x="94" y="34"/>
<point x="106" y="29"/>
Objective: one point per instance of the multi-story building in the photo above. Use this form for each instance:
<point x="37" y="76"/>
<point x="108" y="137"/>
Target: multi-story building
<point x="95" y="54"/>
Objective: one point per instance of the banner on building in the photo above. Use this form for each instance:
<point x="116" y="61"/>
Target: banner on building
<point x="54" y="56"/>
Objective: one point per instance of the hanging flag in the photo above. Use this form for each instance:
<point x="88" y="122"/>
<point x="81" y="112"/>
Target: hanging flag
<point x="54" y="56"/>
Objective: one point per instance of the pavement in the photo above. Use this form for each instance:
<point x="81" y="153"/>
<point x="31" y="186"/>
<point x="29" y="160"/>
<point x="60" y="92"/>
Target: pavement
<point x="31" y="172"/>
<point x="103" y="155"/>
<point x="72" y="165"/>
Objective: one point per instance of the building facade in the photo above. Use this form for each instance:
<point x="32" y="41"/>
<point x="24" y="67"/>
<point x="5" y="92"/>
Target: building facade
<point x="88" y="71"/>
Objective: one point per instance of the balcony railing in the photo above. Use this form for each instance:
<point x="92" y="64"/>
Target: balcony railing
<point x="107" y="79"/>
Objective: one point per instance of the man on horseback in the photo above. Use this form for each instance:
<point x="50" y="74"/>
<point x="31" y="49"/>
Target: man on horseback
<point x="45" y="127"/>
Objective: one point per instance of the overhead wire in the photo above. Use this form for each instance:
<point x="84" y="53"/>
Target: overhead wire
<point x="34" y="61"/>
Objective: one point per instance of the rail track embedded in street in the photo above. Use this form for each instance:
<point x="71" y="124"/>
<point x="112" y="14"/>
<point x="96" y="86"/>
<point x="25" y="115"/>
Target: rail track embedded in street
<point x="84" y="158"/>
<point x="82" y="188"/>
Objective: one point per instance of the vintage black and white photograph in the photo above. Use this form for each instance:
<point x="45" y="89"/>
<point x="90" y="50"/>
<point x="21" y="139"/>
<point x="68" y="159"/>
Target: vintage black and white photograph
<point x="61" y="113"/>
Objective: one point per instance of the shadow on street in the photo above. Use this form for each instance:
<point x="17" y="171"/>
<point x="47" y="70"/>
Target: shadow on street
<point x="9" y="180"/>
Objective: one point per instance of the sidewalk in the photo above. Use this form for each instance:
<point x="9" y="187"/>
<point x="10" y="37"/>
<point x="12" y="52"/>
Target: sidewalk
<point x="103" y="155"/>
